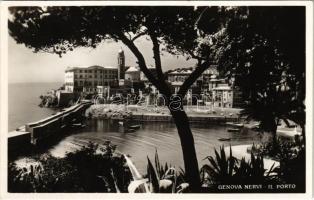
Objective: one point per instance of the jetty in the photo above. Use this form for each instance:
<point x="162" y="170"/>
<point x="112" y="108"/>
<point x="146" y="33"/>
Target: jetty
<point x="35" y="132"/>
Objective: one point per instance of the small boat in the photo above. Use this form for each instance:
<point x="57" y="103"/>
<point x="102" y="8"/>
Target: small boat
<point x="235" y="124"/>
<point x="130" y="130"/>
<point x="137" y="126"/>
<point x="233" y="130"/>
<point x="78" y="125"/>
<point x="224" y="139"/>
<point x="238" y="125"/>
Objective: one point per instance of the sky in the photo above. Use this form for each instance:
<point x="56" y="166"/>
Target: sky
<point x="26" y="66"/>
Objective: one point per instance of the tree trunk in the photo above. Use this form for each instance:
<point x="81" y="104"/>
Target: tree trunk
<point x="273" y="126"/>
<point x="188" y="149"/>
<point x="303" y="133"/>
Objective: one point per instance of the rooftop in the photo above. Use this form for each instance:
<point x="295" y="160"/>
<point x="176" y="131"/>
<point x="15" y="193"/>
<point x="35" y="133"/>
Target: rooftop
<point x="181" y="71"/>
<point x="222" y="88"/>
<point x="90" y="67"/>
<point x="133" y="69"/>
<point x="176" y="83"/>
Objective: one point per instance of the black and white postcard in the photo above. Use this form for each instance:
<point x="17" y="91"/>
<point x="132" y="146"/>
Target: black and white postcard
<point x="202" y="98"/>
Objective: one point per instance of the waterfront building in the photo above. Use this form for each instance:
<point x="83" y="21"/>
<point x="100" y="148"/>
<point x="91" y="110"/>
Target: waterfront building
<point x="86" y="79"/>
<point x="107" y="81"/>
<point x="133" y="74"/>
<point x="178" y="76"/>
<point x="222" y="96"/>
<point x="209" y="87"/>
<point x="213" y="82"/>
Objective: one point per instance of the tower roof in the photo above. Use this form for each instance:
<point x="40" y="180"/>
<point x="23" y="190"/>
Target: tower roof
<point x="133" y="69"/>
<point x="121" y="52"/>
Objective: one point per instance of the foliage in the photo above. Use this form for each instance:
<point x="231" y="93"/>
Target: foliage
<point x="161" y="179"/>
<point x="85" y="170"/>
<point x="165" y="178"/>
<point x="292" y="170"/>
<point x="229" y="170"/>
<point x="263" y="51"/>
<point x="222" y="167"/>
<point x="291" y="155"/>
<point x="286" y="149"/>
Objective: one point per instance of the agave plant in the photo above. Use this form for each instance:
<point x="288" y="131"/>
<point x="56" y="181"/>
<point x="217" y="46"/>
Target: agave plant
<point x="229" y="170"/>
<point x="221" y="168"/>
<point x="159" y="179"/>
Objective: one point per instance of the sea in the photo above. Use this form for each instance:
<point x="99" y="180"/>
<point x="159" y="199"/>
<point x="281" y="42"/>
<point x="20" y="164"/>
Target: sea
<point x="23" y="100"/>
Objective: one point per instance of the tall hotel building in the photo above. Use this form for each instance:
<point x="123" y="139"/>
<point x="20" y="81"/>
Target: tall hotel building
<point x="78" y="79"/>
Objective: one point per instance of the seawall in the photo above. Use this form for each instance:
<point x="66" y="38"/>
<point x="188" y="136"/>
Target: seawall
<point x="32" y="134"/>
<point x="160" y="114"/>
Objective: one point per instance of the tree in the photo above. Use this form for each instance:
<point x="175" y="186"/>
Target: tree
<point x="172" y="29"/>
<point x="263" y="48"/>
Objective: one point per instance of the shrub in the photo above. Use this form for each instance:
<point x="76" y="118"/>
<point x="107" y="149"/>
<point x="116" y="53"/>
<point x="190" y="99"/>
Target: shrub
<point x="90" y="169"/>
<point x="291" y="155"/>
<point x="229" y="170"/>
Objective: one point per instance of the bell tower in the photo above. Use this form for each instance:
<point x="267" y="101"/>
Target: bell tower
<point x="121" y="64"/>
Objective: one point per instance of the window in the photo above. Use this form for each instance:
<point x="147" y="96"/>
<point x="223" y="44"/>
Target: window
<point x="95" y="76"/>
<point x="81" y="76"/>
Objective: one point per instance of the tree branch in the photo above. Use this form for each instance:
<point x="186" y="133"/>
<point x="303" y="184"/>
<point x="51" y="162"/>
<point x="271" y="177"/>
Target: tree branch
<point x="138" y="35"/>
<point x="192" y="78"/>
<point x="157" y="59"/>
<point x="141" y="62"/>
<point x="130" y="37"/>
<point x="195" y="56"/>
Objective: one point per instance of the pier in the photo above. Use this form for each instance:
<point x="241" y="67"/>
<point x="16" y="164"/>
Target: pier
<point x="35" y="132"/>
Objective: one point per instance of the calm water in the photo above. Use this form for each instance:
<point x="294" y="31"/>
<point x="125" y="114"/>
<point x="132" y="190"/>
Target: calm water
<point x="24" y="101"/>
<point x="151" y="136"/>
